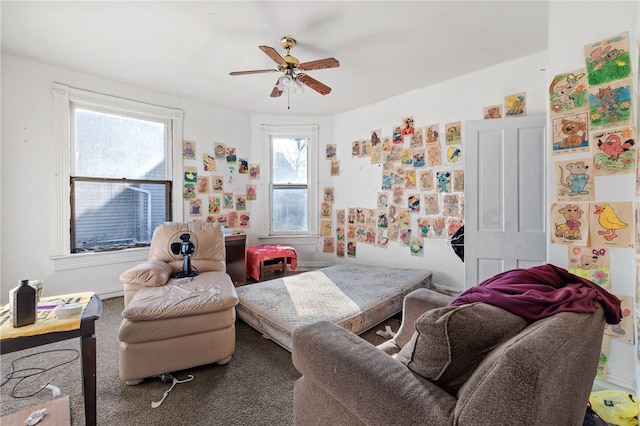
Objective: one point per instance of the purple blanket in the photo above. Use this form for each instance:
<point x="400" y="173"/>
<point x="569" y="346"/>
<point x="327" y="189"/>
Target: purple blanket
<point x="542" y="291"/>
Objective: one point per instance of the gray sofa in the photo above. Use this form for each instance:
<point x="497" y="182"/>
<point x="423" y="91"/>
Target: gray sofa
<point x="538" y="373"/>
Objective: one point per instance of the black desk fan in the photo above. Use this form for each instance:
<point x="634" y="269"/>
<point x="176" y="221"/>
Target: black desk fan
<point x="184" y="244"/>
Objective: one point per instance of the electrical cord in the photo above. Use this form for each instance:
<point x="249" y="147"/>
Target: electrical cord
<point x="36" y="370"/>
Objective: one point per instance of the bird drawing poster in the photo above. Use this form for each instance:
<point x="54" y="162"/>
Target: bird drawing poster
<point x="574" y="180"/>
<point x="614" y="150"/>
<point x="570" y="223"/>
<point x="591" y="263"/>
<point x="611" y="224"/>
<point x="609" y="59"/>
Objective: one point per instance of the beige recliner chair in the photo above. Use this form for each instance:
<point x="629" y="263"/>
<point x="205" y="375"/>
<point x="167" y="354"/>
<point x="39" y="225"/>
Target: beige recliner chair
<point x="169" y="323"/>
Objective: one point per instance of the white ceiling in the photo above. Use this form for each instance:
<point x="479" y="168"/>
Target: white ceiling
<point x="188" y="48"/>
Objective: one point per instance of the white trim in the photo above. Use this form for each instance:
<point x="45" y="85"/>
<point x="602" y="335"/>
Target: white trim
<point x="288" y="240"/>
<point x="63" y="96"/>
<point x="311" y="131"/>
<point x="87" y="260"/>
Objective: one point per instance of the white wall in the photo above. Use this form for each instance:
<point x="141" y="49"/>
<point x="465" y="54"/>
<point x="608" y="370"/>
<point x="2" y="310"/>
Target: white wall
<point x="591" y="22"/>
<point x="458" y="99"/>
<point x="27" y="169"/>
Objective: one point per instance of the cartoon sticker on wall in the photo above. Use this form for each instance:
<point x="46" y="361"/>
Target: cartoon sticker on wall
<point x="330" y="151"/>
<point x="570" y="133"/>
<point x="567" y="92"/>
<point x="203" y="185"/>
<point x="570" y="223"/>
<point x="492" y="112"/>
<point x="614" y="150"/>
<point x="610" y="104"/>
<point x="453" y="133"/>
<point x="220" y="150"/>
<point x="591" y="263"/>
<point x="195" y="207"/>
<point x="188" y="150"/>
<point x="611" y="224"/>
<point x="574" y="180"/>
<point x="209" y="162"/>
<point x="608" y="60"/>
<point x="515" y="105"/>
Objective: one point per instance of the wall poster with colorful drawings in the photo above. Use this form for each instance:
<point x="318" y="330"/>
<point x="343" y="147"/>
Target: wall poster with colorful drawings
<point x="574" y="180"/>
<point x="614" y="150"/>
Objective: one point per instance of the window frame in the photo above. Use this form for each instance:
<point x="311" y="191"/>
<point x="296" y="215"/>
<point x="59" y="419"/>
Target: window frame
<point x="65" y="99"/>
<point x="309" y="132"/>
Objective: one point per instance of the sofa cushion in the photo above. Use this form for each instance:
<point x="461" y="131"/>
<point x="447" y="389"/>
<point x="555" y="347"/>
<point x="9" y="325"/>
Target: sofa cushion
<point x="151" y="273"/>
<point x="450" y="342"/>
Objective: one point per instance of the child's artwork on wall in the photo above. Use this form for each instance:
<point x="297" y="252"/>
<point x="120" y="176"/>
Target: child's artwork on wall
<point x="610" y="224"/>
<point x="458" y="180"/>
<point x="217" y="183"/>
<point x="398" y="176"/>
<point x="413" y="203"/>
<point x="254" y="171"/>
<point x="203" y="184"/>
<point x="328" y="194"/>
<point x="570" y="133"/>
<point x="637" y="238"/>
<point x="188" y="150"/>
<point x="438" y="228"/>
<point x="416" y="248"/>
<point x="396" y="135"/>
<point x="231" y="155"/>
<point x="382" y="238"/>
<point x="404" y="237"/>
<point x="410" y="179"/>
<point x="614" y="150"/>
<point x="243" y="166"/>
<point x="601" y="372"/>
<point x="515" y="105"/>
<point x="398" y="194"/>
<point x="574" y="180"/>
<point x="431" y="204"/>
<point x="432" y="134"/>
<point x="567" y="92"/>
<point x="383" y="218"/>
<point x="454" y="154"/>
<point x="407" y="129"/>
<point x="423" y="226"/>
<point x="220" y="150"/>
<point x="355" y="149"/>
<point x="608" y="60"/>
<point x="376" y="154"/>
<point x="190" y="174"/>
<point x="376" y="137"/>
<point x="453" y="226"/>
<point x="570" y="224"/>
<point x="625" y="329"/>
<point x="195" y="207"/>
<point x="491" y="112"/>
<point x="325" y="227"/>
<point x="426" y="180"/>
<point x="417" y="139"/>
<point x="453" y="133"/>
<point x="233" y="220"/>
<point x="251" y="192"/>
<point x="330" y="151"/>
<point x="443" y="179"/>
<point x="450" y="205"/>
<point x="351" y="248"/>
<point x="326" y="208"/>
<point x="328" y="245"/>
<point x="241" y="202"/>
<point x="387" y="143"/>
<point x="335" y="167"/>
<point x="591" y="263"/>
<point x="418" y="157"/>
<point x="245" y="220"/>
<point x="340" y="249"/>
<point x="407" y="157"/>
<point x="209" y="162"/>
<point x="383" y="200"/>
<point x="214" y="205"/>
<point x="365" y="150"/>
<point x="227" y="200"/>
<point x="610" y="104"/>
<point x="434" y="155"/>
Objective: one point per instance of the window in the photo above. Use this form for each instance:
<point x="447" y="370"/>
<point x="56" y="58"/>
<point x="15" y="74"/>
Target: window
<point x="117" y="170"/>
<point x="292" y="180"/>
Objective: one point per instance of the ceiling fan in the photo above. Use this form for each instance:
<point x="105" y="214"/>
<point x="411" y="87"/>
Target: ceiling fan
<point x="291" y="67"/>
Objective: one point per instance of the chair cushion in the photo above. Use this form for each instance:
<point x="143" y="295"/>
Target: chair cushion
<point x="450" y="342"/>
<point x="151" y="273"/>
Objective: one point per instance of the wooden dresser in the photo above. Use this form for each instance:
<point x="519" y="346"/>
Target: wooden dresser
<point x="236" y="249"/>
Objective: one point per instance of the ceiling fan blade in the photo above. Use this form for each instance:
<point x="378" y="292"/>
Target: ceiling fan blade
<point x="251" y="72"/>
<point x="273" y="54"/>
<point x="319" y="64"/>
<point x="276" y="92"/>
<point x="321" y="88"/>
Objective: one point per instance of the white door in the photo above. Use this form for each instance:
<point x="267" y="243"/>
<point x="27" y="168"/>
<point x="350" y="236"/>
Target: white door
<point x="505" y="196"/>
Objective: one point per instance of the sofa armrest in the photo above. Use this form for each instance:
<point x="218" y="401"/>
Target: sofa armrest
<point x="414" y="305"/>
<point x="367" y="382"/>
<point x="151" y="273"/>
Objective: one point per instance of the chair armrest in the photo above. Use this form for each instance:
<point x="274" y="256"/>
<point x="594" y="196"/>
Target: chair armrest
<point x="414" y="305"/>
<point x="367" y="382"/>
<point x="151" y="273"/>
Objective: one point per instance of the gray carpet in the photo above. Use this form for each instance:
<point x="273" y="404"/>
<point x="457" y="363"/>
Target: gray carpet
<point x="255" y="388"/>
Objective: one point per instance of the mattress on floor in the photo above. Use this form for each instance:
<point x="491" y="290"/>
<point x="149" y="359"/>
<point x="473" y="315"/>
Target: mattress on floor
<point x="356" y="297"/>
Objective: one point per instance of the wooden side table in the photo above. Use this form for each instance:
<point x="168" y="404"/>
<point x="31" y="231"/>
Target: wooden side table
<point x="236" y="248"/>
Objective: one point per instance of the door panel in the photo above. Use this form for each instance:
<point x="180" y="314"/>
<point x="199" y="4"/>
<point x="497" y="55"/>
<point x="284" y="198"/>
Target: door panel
<point x="505" y="223"/>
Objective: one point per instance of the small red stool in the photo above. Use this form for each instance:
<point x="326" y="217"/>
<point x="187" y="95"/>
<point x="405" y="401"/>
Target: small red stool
<point x="271" y="257"/>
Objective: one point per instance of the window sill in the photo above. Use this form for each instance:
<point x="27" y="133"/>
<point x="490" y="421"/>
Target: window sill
<point x="88" y="260"/>
<point x="311" y="240"/>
